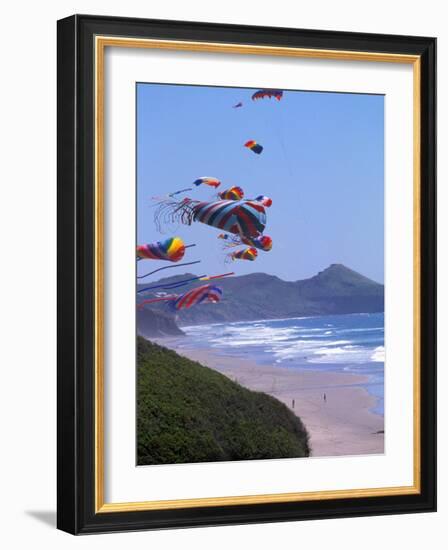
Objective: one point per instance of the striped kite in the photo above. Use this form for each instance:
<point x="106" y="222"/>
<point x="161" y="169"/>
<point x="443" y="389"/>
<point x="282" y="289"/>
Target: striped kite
<point x="199" y="295"/>
<point x="242" y="217"/>
<point x="171" y="250"/>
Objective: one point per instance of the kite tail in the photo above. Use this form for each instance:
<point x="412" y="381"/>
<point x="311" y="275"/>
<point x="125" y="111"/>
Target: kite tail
<point x="154" y="300"/>
<point x="172" y="285"/>
<point x="229" y="258"/>
<point x="167" y="267"/>
<point x="170" y="212"/>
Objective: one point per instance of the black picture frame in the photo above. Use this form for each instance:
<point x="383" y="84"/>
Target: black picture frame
<point x="76" y="254"/>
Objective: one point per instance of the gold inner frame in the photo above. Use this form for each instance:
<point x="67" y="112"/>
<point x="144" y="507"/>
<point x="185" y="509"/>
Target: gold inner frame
<point x="101" y="42"/>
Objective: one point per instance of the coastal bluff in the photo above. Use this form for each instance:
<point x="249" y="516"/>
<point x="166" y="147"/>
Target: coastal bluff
<point x="187" y="413"/>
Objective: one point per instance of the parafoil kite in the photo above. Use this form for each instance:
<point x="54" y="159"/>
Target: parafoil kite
<point x="232" y="194"/>
<point x="254" y="146"/>
<point x="239" y="217"/>
<point x="262" y="94"/>
<point x="212" y="182"/>
<point x="172" y="250"/>
<point x="265" y="201"/>
<point x="243" y="217"/>
<point x="244" y="254"/>
<point x="239" y="104"/>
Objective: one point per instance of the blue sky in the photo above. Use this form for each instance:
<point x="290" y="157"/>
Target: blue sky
<point x="322" y="165"/>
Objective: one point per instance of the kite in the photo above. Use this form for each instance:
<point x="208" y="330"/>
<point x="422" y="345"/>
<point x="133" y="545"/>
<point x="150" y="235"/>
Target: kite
<point x="242" y="217"/>
<point x="262" y="94"/>
<point x="202" y="294"/>
<point x="239" y="217"/>
<point x="239" y="104"/>
<point x="232" y="194"/>
<point x="205" y="180"/>
<point x="264" y="242"/>
<point x="265" y="201"/>
<point x="172" y="250"/>
<point x="244" y="254"/>
<point x="199" y="295"/>
<point x="254" y="146"/>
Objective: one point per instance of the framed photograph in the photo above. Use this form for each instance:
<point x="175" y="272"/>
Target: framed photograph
<point x="246" y="274"/>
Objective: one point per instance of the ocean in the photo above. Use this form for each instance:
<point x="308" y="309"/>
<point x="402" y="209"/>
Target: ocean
<point x="351" y="343"/>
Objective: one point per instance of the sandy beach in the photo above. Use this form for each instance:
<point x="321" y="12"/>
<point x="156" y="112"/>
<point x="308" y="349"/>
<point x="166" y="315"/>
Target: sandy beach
<point x="341" y="424"/>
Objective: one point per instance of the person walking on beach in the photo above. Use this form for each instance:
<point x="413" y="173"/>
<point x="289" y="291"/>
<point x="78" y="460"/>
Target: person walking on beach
<point x="325" y="397"/>
<point x="293" y="403"/>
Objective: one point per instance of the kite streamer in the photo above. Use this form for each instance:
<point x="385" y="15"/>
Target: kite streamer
<point x="167" y="267"/>
<point x="176" y="284"/>
<point x="180" y="191"/>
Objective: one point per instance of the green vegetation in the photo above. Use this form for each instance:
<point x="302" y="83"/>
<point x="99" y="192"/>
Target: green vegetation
<point x="189" y="413"/>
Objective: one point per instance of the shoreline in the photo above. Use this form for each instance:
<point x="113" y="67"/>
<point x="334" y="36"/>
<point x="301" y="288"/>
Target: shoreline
<point x="340" y="424"/>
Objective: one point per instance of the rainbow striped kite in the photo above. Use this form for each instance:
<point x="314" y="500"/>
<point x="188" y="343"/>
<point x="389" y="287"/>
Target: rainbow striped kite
<point x="171" y="250"/>
<point x="232" y="194"/>
<point x="245" y="254"/>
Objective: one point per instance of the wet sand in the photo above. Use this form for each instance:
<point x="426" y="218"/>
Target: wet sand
<point x="343" y="424"/>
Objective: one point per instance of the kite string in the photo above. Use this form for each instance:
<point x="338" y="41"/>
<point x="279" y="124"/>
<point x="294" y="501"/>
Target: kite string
<point x="204" y="278"/>
<point x="167" y="267"/>
<point x="174" y="284"/>
<point x="153" y="300"/>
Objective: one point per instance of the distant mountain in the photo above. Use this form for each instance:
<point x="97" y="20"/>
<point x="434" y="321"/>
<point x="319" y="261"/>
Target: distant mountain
<point x="334" y="290"/>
